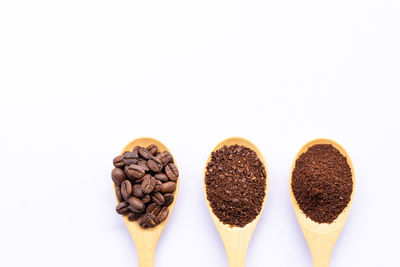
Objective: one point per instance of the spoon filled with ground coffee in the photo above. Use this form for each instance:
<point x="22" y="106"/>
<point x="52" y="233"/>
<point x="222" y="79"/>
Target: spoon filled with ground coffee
<point x="146" y="183"/>
<point x="235" y="186"/>
<point x="322" y="189"/>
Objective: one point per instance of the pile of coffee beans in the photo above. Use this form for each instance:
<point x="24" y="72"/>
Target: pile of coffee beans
<point x="322" y="183"/>
<point x="235" y="181"/>
<point x="145" y="181"/>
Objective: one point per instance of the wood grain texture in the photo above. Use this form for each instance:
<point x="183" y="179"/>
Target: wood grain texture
<point x="236" y="239"/>
<point x="146" y="239"/>
<point x="321" y="238"/>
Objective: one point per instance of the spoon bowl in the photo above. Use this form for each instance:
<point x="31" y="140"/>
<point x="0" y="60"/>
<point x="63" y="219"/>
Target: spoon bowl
<point x="146" y="238"/>
<point x="236" y="239"/>
<point x="321" y="237"/>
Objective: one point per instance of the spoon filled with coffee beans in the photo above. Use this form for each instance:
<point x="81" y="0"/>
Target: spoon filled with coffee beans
<point x="322" y="189"/>
<point x="146" y="184"/>
<point x="235" y="186"/>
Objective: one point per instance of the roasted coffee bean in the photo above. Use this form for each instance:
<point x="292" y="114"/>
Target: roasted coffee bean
<point x="144" y="153"/>
<point x="140" y="180"/>
<point x="169" y="198"/>
<point x="137" y="191"/>
<point x="148" y="184"/>
<point x="157" y="188"/>
<point x="130" y="155"/>
<point x="142" y="163"/>
<point x="134" y="171"/>
<point x="168" y="187"/>
<point x="135" y="151"/>
<point x="156" y="210"/>
<point x="130" y="161"/>
<point x="122" y="208"/>
<point x="161" y="176"/>
<point x="128" y="172"/>
<point x="148" y="220"/>
<point x="172" y="172"/>
<point x="118" y="193"/>
<point x="119" y="161"/>
<point x="153" y="208"/>
<point x="126" y="189"/>
<point x="153" y="149"/>
<point x="158" y="198"/>
<point x="118" y="176"/>
<point x="140" y="219"/>
<point x="130" y="158"/>
<point x="133" y="216"/>
<point x="136" y="203"/>
<point x="146" y="199"/>
<point x="163" y="214"/>
<point x="135" y="210"/>
<point x="155" y="164"/>
<point x="165" y="157"/>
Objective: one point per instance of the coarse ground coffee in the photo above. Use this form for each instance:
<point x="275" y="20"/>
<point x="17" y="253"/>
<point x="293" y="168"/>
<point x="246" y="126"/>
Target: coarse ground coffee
<point x="322" y="183"/>
<point x="235" y="181"/>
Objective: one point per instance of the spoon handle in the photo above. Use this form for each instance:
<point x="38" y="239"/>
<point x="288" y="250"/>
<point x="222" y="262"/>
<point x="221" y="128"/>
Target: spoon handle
<point x="236" y="259"/>
<point x="321" y="246"/>
<point x="146" y="252"/>
<point x="321" y="261"/>
<point x="236" y="247"/>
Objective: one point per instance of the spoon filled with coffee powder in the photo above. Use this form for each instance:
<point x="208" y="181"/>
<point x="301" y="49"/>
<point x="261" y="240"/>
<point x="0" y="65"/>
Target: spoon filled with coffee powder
<point x="146" y="183"/>
<point x="322" y="189"/>
<point x="235" y="186"/>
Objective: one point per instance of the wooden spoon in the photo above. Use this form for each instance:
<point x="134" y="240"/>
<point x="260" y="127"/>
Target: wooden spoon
<point x="146" y="238"/>
<point x="321" y="238"/>
<point x="236" y="239"/>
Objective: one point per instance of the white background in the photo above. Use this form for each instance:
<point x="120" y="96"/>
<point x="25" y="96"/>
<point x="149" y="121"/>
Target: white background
<point x="81" y="79"/>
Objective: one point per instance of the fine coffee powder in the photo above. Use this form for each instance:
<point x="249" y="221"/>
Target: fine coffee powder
<point x="322" y="183"/>
<point x="145" y="182"/>
<point x="235" y="181"/>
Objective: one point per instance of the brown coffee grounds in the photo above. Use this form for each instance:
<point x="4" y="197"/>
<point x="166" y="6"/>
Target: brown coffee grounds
<point x="322" y="183"/>
<point x="235" y="184"/>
